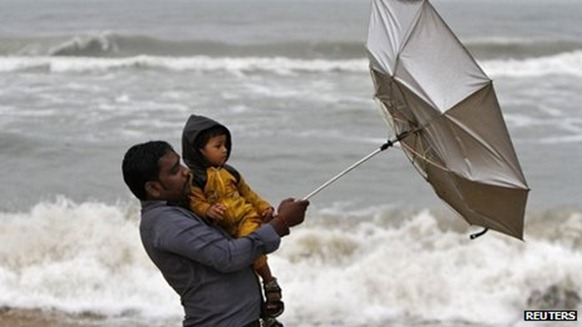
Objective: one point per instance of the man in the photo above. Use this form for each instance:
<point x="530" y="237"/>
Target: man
<point x="211" y="271"/>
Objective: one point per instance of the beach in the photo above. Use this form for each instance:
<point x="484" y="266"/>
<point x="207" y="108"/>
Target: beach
<point x="80" y="84"/>
<point x="29" y="318"/>
<point x="14" y="317"/>
<point x="34" y="318"/>
<point x="37" y="317"/>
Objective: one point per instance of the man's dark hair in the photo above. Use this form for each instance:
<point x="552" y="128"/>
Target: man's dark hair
<point x="141" y="164"/>
<point x="205" y="135"/>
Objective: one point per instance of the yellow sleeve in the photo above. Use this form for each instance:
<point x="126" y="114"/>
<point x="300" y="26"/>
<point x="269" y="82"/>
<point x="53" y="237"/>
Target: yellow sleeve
<point x="252" y="197"/>
<point x="198" y="203"/>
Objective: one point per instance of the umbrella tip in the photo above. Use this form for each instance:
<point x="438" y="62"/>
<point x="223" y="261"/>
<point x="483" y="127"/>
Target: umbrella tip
<point x="474" y="236"/>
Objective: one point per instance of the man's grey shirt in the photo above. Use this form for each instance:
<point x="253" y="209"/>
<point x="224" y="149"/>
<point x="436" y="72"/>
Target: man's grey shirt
<point x="211" y="271"/>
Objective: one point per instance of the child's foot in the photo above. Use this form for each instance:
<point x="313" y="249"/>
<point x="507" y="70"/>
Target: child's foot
<point x="274" y="307"/>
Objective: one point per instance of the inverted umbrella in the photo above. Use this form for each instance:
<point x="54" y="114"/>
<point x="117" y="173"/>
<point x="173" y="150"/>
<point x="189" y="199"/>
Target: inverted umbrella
<point x="444" y="112"/>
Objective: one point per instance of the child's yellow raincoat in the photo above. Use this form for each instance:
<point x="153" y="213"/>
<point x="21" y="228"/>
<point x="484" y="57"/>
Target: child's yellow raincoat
<point x="243" y="206"/>
<point x="211" y="185"/>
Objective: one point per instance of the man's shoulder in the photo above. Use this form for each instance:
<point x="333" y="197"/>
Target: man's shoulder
<point x="148" y="207"/>
<point x="162" y="209"/>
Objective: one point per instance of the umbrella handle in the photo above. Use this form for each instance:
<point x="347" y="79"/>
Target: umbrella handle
<point x="361" y="161"/>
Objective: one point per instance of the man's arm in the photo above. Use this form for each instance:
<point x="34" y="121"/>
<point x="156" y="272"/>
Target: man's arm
<point x="177" y="231"/>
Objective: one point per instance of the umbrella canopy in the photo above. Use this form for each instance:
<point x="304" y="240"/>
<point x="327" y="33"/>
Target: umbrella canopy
<point x="444" y="108"/>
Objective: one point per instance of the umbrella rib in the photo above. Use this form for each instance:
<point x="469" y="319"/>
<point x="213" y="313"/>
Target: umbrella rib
<point x="479" y="140"/>
<point x="411" y="28"/>
<point x="424" y="157"/>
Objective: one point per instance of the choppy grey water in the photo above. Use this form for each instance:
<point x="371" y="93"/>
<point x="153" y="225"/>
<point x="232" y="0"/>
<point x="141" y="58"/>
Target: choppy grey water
<point x="81" y="81"/>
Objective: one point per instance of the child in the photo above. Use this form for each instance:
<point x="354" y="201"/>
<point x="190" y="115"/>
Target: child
<point x="220" y="194"/>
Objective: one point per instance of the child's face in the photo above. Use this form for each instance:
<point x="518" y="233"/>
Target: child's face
<point x="215" y="150"/>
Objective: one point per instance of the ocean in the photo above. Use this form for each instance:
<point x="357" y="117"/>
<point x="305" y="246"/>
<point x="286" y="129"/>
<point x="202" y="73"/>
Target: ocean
<point x="82" y="81"/>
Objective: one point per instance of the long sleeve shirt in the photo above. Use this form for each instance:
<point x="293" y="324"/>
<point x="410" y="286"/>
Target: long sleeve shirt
<point x="211" y="271"/>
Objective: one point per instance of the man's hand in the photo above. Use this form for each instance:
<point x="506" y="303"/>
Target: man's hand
<point x="268" y="215"/>
<point x="292" y="212"/>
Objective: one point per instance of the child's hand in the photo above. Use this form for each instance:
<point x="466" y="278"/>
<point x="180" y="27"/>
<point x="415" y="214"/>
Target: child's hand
<point x="216" y="212"/>
<point x="268" y="214"/>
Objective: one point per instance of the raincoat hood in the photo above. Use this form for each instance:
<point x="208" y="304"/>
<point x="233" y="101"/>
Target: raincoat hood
<point x="196" y="124"/>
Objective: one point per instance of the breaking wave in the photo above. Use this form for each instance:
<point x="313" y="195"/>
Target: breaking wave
<point x="278" y="65"/>
<point x="519" y="49"/>
<point x="87" y="258"/>
<point x="569" y="64"/>
<point x="109" y="44"/>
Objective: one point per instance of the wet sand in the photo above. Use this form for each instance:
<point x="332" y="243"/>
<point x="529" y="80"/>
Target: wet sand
<point x="28" y="318"/>
<point x="11" y="317"/>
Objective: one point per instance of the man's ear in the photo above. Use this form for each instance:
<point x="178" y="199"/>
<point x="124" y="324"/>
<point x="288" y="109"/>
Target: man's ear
<point x="153" y="189"/>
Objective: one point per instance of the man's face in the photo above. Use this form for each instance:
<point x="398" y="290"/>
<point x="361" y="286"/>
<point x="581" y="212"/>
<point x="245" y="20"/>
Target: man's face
<point x="173" y="182"/>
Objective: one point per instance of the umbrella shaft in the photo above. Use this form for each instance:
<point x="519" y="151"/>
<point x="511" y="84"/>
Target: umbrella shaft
<point x="347" y="170"/>
<point x="384" y="146"/>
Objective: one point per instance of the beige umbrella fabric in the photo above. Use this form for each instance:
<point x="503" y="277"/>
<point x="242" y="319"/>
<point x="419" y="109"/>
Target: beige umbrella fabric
<point x="445" y="111"/>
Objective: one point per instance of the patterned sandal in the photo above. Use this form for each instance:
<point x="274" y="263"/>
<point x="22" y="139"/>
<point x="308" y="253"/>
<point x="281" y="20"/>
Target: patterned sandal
<point x="273" y="307"/>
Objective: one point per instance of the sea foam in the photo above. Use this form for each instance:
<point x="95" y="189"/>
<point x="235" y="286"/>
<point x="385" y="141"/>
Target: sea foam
<point x="386" y="263"/>
<point x="568" y="63"/>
